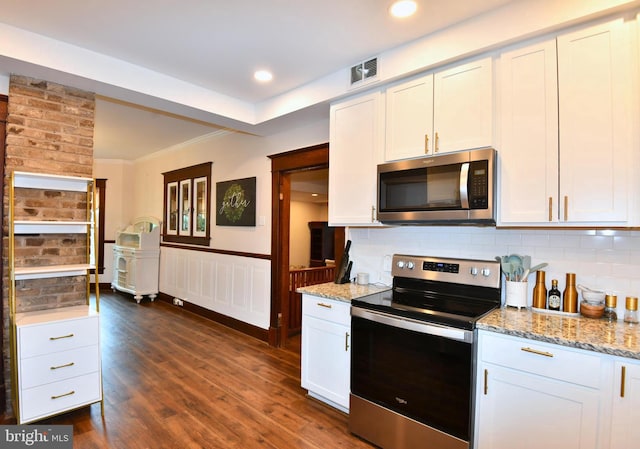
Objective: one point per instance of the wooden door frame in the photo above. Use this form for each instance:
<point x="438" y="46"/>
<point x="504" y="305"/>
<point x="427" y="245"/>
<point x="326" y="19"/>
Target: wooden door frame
<point x="282" y="165"/>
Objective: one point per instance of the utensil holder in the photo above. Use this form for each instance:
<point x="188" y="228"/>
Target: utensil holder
<point x="516" y="294"/>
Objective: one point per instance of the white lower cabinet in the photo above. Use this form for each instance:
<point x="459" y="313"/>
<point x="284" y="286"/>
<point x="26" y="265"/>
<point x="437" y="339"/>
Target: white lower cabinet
<point x="625" y="415"/>
<point x="326" y="353"/>
<point x="58" y="361"/>
<point x="532" y="395"/>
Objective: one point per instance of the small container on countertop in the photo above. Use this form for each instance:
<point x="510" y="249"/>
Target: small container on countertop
<point x="631" y="312"/>
<point x="610" y="303"/>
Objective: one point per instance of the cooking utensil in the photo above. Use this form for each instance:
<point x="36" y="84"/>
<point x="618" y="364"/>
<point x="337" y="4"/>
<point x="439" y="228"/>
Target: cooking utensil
<point x="533" y="269"/>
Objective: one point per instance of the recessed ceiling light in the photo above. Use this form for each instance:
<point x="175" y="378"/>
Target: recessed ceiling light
<point x="314" y="194"/>
<point x="263" y="75"/>
<point x="403" y="8"/>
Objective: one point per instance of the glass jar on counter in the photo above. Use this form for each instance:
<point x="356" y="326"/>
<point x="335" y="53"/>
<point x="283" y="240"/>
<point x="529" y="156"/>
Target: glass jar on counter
<point x="610" y="303"/>
<point x="631" y="310"/>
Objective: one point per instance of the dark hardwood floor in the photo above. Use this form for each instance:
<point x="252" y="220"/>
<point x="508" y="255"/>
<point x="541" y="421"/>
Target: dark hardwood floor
<point x="175" y="380"/>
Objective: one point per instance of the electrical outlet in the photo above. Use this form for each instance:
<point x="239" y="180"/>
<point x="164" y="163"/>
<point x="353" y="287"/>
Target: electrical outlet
<point x="386" y="264"/>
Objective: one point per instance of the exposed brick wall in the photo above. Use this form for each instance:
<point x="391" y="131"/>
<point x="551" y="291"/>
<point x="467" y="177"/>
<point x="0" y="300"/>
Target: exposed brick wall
<point x="49" y="130"/>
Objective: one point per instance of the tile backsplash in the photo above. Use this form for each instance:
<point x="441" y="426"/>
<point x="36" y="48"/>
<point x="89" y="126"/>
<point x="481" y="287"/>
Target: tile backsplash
<point x="603" y="259"/>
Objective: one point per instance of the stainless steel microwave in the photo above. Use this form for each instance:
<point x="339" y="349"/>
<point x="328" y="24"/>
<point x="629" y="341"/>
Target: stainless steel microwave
<point x="455" y="188"/>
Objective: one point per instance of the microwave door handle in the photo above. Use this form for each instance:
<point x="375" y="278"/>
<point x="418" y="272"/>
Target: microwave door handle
<point x="464" y="183"/>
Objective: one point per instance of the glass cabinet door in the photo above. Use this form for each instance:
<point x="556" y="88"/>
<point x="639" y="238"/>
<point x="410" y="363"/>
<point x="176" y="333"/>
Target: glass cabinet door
<point x="172" y="208"/>
<point x="185" y="207"/>
<point x="200" y="207"/>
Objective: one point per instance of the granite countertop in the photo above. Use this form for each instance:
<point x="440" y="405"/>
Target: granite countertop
<point x="618" y="338"/>
<point x="343" y="292"/>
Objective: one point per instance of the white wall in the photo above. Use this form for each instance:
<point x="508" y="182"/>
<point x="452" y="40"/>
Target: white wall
<point x="238" y="287"/>
<point x="605" y="259"/>
<point x="302" y="213"/>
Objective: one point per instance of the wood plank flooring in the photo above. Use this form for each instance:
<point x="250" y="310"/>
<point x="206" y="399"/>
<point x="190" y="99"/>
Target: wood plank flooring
<point x="175" y="380"/>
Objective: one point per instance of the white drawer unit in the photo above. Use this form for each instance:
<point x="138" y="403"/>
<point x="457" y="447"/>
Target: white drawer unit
<point x="55" y="352"/>
<point x="58" y="361"/>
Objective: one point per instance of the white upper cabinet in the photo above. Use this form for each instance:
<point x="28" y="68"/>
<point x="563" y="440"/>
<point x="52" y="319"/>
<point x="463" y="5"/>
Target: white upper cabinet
<point x="528" y="153"/>
<point x="595" y="105"/>
<point x="447" y="111"/>
<point x="567" y="132"/>
<point x="463" y="107"/>
<point x="356" y="137"/>
<point x="409" y="119"/>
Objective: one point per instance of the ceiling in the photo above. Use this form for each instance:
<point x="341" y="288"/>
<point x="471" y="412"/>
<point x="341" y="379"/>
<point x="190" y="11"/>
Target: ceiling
<point x="217" y="46"/>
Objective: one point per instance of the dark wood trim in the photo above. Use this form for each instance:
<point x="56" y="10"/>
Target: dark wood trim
<point x="218" y="251"/>
<point x="240" y="326"/>
<point x="183" y="174"/>
<point x="4" y="102"/>
<point x="282" y="165"/>
<point x="101" y="184"/>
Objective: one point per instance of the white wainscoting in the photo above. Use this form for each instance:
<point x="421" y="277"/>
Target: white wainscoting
<point x="239" y="287"/>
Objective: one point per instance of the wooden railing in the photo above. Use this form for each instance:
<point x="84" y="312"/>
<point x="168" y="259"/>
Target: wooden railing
<point x="302" y="278"/>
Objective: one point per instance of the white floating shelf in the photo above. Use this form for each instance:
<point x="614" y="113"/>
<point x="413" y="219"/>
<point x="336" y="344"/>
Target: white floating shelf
<point x="51" y="227"/>
<point x="52" y="271"/>
<point x="50" y="182"/>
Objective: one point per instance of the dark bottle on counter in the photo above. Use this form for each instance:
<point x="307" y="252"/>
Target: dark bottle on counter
<point x="554" y="296"/>
<point x="570" y="295"/>
<point x="610" y="303"/>
<point x="540" y="291"/>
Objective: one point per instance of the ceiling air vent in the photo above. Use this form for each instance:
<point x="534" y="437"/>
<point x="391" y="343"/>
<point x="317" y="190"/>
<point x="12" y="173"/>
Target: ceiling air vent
<point x="365" y="71"/>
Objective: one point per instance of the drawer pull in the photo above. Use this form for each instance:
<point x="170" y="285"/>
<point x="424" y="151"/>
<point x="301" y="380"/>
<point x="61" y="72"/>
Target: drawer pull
<point x="346" y="341"/>
<point x="535" y="351"/>
<point x="63" y="395"/>
<point x="61" y="337"/>
<point x="623" y="375"/>
<point x="326" y="306"/>
<point x="62" y="366"/>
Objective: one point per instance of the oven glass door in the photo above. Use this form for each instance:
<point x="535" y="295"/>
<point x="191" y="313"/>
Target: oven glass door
<point x="422" y="376"/>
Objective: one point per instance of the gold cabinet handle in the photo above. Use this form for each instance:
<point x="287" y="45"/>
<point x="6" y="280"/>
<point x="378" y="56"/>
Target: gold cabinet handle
<point x="486" y="381"/>
<point x="62" y="366"/>
<point x="437" y="143"/>
<point x="566" y="207"/>
<point x="63" y="395"/>
<point x="61" y="337"/>
<point x="550" y="208"/>
<point x="426" y="143"/>
<point x="623" y="375"/>
<point x="325" y="305"/>
<point x="535" y="351"/>
<point x="346" y="341"/>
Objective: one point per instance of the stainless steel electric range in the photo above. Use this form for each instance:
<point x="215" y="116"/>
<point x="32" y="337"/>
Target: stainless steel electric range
<point x="412" y="352"/>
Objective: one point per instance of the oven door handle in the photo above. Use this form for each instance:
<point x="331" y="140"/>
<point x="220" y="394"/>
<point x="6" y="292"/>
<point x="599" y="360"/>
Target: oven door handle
<point x="451" y="333"/>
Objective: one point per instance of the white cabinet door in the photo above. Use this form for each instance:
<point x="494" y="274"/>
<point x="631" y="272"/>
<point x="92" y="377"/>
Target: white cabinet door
<point x="463" y="107"/>
<point x="595" y="110"/>
<point x="326" y="350"/>
<point x="532" y="395"/>
<point x="356" y="130"/>
<point x="528" y="155"/>
<point x="625" y="416"/>
<point x="409" y="121"/>
<point x="525" y="411"/>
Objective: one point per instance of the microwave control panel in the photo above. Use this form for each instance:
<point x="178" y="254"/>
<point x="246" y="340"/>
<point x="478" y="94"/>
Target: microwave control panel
<point x="479" y="185"/>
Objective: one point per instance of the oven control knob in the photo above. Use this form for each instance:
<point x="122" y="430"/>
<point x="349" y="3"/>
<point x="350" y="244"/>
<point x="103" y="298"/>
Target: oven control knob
<point x="473" y="271"/>
<point x="400" y="264"/>
<point x="410" y="265"/>
<point x="486" y="272"/>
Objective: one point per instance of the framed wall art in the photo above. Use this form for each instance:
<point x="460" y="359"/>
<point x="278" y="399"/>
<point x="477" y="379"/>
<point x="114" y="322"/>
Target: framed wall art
<point x="236" y="202"/>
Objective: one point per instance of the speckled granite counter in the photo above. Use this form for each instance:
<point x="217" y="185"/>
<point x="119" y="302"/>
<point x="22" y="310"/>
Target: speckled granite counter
<point x="618" y="339"/>
<point x="343" y="292"/>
